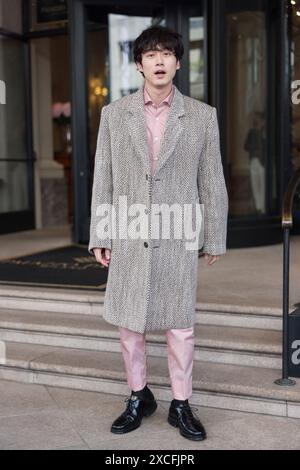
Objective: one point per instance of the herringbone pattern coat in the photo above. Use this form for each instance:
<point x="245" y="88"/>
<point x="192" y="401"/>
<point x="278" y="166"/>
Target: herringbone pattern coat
<point x="152" y="283"/>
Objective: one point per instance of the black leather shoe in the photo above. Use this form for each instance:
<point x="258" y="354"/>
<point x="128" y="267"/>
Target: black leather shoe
<point x="139" y="404"/>
<point x="181" y="415"/>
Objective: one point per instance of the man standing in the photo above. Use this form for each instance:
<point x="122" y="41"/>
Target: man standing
<point x="256" y="145"/>
<point x="156" y="147"/>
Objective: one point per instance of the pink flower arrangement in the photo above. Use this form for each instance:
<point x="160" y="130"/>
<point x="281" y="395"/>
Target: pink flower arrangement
<point x="61" y="112"/>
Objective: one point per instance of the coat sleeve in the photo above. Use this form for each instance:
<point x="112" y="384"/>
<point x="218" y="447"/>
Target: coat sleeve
<point x="102" y="183"/>
<point x="212" y="191"/>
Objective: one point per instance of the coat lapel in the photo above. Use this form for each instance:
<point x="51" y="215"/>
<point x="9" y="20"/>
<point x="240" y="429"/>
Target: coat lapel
<point x="138" y="128"/>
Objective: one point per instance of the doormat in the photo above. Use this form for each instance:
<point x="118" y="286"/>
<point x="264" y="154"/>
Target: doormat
<point x="68" y="267"/>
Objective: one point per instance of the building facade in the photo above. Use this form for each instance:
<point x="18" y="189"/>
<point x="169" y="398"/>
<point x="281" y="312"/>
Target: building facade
<point x="61" y="61"/>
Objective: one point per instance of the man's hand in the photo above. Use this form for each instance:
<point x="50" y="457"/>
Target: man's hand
<point x="211" y="259"/>
<point x="103" y="255"/>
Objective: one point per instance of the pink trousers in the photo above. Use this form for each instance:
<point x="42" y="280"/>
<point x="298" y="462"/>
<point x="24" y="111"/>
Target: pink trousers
<point x="180" y="344"/>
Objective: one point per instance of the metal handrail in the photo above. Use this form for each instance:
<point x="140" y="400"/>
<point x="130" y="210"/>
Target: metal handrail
<point x="287" y="207"/>
<point x="287" y="224"/>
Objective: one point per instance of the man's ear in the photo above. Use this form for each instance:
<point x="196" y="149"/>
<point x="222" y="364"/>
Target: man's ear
<point x="139" y="66"/>
<point x="178" y="65"/>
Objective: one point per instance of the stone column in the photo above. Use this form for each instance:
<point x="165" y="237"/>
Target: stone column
<point x="50" y="184"/>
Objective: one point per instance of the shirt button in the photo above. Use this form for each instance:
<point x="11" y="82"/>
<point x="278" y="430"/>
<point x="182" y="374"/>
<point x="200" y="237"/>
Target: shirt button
<point x="157" y="118"/>
<point x="155" y="158"/>
<point x="155" y="138"/>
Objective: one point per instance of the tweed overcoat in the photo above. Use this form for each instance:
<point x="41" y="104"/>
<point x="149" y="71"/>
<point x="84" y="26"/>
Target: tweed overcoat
<point x="151" y="282"/>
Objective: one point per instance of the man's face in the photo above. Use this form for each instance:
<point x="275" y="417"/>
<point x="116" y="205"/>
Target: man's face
<point x="159" y="67"/>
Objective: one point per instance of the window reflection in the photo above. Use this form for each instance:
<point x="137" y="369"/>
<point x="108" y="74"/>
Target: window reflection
<point x="112" y="72"/>
<point x="246" y="112"/>
<point x="196" y="57"/>
<point x="13" y="186"/>
<point x="123" y="29"/>
<point x="13" y="165"/>
<point x="295" y="76"/>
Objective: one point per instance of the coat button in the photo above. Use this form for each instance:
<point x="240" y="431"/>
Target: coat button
<point x="145" y="244"/>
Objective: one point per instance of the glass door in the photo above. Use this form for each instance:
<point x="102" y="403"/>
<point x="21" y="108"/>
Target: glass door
<point x="111" y="69"/>
<point x="253" y="121"/>
<point x="103" y="70"/>
<point x="247" y="115"/>
<point x="112" y="72"/>
<point x="294" y="26"/>
<point x="16" y="155"/>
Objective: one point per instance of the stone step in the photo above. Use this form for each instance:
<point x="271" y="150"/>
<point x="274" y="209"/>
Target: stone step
<point x="239" y="316"/>
<point x="223" y="344"/>
<point x="231" y="387"/>
<point x="52" y="300"/>
<point x="91" y="303"/>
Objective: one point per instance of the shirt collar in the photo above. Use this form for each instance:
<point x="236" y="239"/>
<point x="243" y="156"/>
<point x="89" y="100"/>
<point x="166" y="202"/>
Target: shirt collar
<point x="167" y="100"/>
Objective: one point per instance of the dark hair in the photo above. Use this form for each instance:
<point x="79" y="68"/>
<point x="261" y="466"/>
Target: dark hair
<point x="157" y="36"/>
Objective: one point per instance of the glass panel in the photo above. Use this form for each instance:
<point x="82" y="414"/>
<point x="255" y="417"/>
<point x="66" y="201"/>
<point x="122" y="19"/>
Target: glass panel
<point x="246" y="112"/>
<point x="11" y="15"/>
<point x="61" y="95"/>
<point x="295" y="77"/>
<point x="52" y="112"/>
<point x="196" y="56"/>
<point x="13" y="173"/>
<point x="12" y="114"/>
<point x="112" y="71"/>
<point x="98" y="67"/>
<point x="13" y="186"/>
<point x="124" y="78"/>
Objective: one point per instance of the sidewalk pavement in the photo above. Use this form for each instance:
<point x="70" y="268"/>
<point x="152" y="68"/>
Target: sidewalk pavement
<point x="38" y="417"/>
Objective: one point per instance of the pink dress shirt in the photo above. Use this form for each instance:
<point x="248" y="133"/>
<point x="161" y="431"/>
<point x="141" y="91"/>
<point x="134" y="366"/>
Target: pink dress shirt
<point x="156" y="119"/>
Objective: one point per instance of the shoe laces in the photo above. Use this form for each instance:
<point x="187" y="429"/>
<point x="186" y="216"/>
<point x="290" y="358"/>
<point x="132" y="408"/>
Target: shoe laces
<point x="129" y="399"/>
<point x="191" y="410"/>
